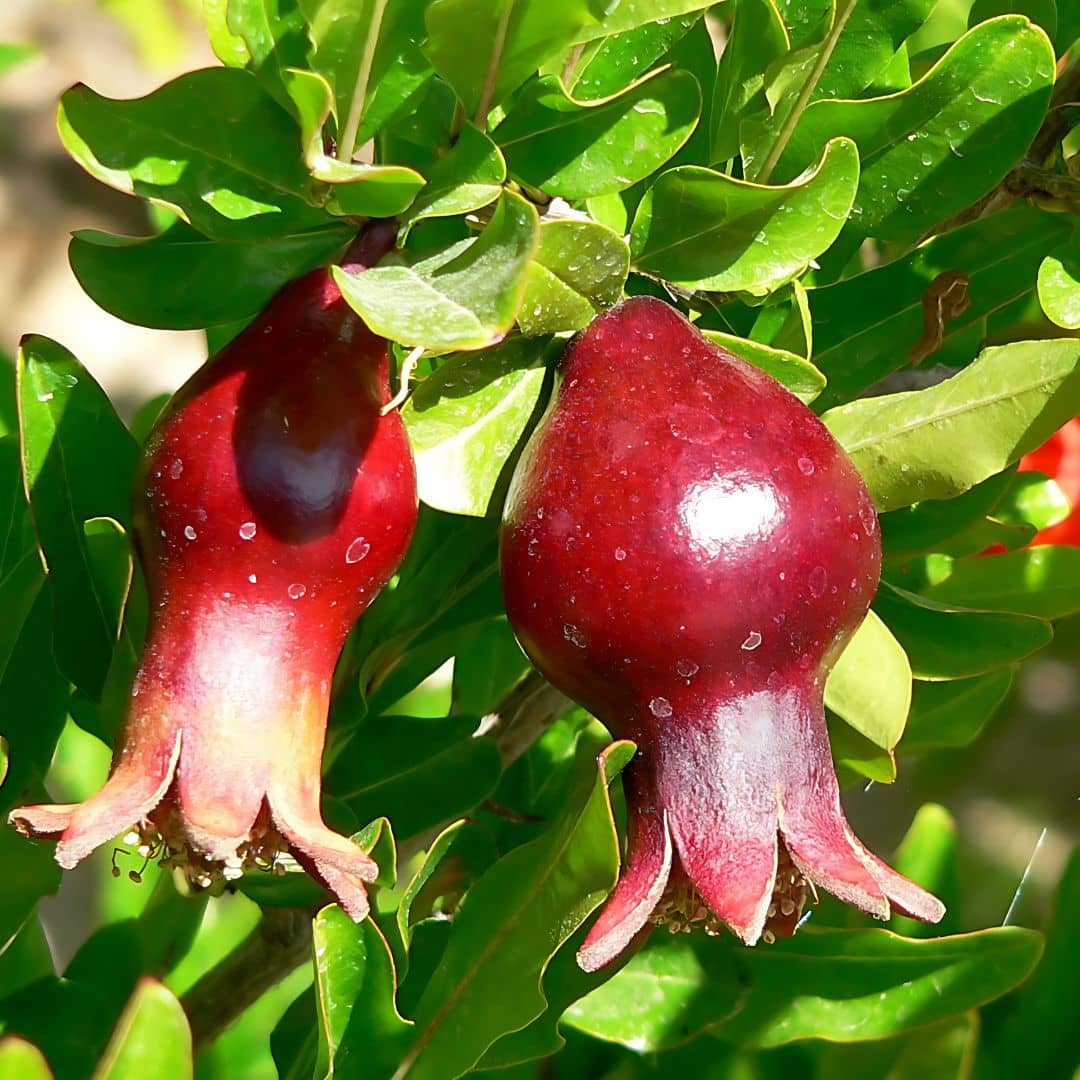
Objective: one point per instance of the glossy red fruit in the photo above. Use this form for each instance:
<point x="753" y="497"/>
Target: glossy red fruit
<point x="685" y="551"/>
<point x="273" y="503"/>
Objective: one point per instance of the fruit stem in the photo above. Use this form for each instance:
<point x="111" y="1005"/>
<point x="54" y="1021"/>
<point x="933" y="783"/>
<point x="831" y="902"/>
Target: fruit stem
<point x="347" y="143"/>
<point x="374" y="240"/>
<point x="793" y="117"/>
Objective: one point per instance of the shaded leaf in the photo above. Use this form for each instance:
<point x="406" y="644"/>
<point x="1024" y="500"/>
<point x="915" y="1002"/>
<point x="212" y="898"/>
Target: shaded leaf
<point x="927" y="855"/>
<point x="465" y="420"/>
<point x="706" y="230"/>
<point x="1059" y="287"/>
<point x="938" y="442"/>
<point x="152" y="1037"/>
<point x="951" y="714"/>
<point x="581" y="149"/>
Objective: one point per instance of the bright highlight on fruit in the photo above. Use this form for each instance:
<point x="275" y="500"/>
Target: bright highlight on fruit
<point x="686" y="550"/>
<point x="273" y="502"/>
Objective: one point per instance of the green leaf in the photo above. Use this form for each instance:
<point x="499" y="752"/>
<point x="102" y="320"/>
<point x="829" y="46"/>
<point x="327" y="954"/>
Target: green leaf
<point x="152" y="1038"/>
<point x="465" y="297"/>
<point x="237" y="178"/>
<point x="269" y="33"/>
<point x="359" y="1025"/>
<point x="931" y="150"/>
<point x="870" y="686"/>
<point x="856" y="758"/>
<point x="942" y="1051"/>
<point x="62" y="412"/>
<point x="1059" y="287"/>
<point x="927" y="855"/>
<point x="1042" y="581"/>
<point x="20" y="1060"/>
<point x="32" y="873"/>
<point x="486" y="669"/>
<point x="11" y="55"/>
<point x="228" y="47"/>
<point x="1041" y="12"/>
<point x="478" y="45"/>
<point x="579" y="269"/>
<point x="582" y="149"/>
<point x="417" y="772"/>
<point x="370" y="51"/>
<point x="951" y="714"/>
<point x="756" y="39"/>
<point x="469" y="177"/>
<point x="465" y="420"/>
<point x="1033" y="499"/>
<point x="938" y="442"/>
<point x="798" y="375"/>
<point x="705" y="230"/>
<point x="517" y="916"/>
<point x="866" y="327"/>
<point x="850" y="986"/>
<point x="944" y="642"/>
<point x="668" y="993"/>
<point x="180" y="280"/>
<point x="618" y="18"/>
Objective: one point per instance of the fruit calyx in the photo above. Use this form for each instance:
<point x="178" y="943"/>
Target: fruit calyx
<point x="685" y="551"/>
<point x="273" y="502"/>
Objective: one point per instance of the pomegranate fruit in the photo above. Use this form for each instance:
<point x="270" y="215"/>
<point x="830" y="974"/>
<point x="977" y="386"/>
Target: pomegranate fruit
<point x="272" y="503"/>
<point x="685" y="551"/>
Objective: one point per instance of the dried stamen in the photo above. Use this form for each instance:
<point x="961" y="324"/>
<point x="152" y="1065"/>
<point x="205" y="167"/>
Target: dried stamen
<point x="790" y="891"/>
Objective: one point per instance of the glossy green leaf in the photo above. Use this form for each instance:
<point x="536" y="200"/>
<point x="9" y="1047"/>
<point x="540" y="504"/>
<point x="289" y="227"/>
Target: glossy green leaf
<point x="927" y="855"/>
<point x="951" y="714"/>
<point x="237" y="178"/>
<point x="866" y="327"/>
<point x="1059" y="287"/>
<point x="469" y="177"/>
<point x="944" y="642"/>
<point x="668" y="993"/>
<point x="465" y="297"/>
<point x="487" y="668"/>
<point x="228" y="47"/>
<point x="703" y="229"/>
<point x="850" y="986"/>
<point x="581" y="149"/>
<point x="417" y="772"/>
<point x="936" y="443"/>
<point x="942" y="1051"/>
<point x="1033" y="499"/>
<point x="856" y="758"/>
<point x="579" y="269"/>
<point x="870" y="686"/>
<point x="618" y="18"/>
<point x="180" y="280"/>
<point x="518" y="915"/>
<point x="798" y="375"/>
<point x="756" y="39"/>
<point x="152" y="1037"/>
<point x="266" y="36"/>
<point x="1042" y="581"/>
<point x="359" y="1026"/>
<point x="465" y="420"/>
<point x="20" y="1060"/>
<point x="611" y="64"/>
<point x="933" y="149"/>
<point x="62" y="411"/>
<point x="473" y="41"/>
<point x="1041" y="12"/>
<point x="369" y="54"/>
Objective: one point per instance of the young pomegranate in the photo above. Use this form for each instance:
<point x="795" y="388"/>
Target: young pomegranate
<point x="686" y="550"/>
<point x="273" y="503"/>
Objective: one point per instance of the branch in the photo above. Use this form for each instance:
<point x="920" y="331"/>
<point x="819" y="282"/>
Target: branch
<point x="278" y="945"/>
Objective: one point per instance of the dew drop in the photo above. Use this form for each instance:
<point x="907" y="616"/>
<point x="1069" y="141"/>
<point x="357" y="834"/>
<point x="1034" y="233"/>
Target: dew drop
<point x="574" y="635"/>
<point x="296" y="591"/>
<point x="753" y="640"/>
<point x="189" y="532"/>
<point x="176" y="469"/>
<point x="620" y="554"/>
<point x="532" y="546"/>
<point x="357" y="550"/>
<point x="660" y="707"/>
<point x="806" y="466"/>
<point x="247" y="530"/>
<point x="687" y="668"/>
<point x="252" y="578"/>
<point x="819" y="581"/>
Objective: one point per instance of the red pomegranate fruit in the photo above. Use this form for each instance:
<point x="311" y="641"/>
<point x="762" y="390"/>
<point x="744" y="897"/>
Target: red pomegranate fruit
<point x="273" y="502"/>
<point x="685" y="551"/>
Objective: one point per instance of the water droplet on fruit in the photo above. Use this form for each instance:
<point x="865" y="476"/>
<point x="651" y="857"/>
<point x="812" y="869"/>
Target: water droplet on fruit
<point x="247" y="530"/>
<point x="620" y="554"/>
<point x="296" y="591"/>
<point x="252" y="578"/>
<point x="189" y="532"/>
<point x="687" y="668"/>
<point x="574" y="635"/>
<point x="176" y="469"/>
<point x="660" y="708"/>
<point x="753" y="640"/>
<point x="819" y="581"/>
<point x="806" y="466"/>
<point x="357" y="550"/>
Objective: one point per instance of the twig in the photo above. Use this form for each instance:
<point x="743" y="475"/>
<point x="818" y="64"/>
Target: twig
<point x="483" y="107"/>
<point x="347" y="142"/>
<point x="793" y="117"/>
<point x="530" y="708"/>
<point x="278" y="945"/>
